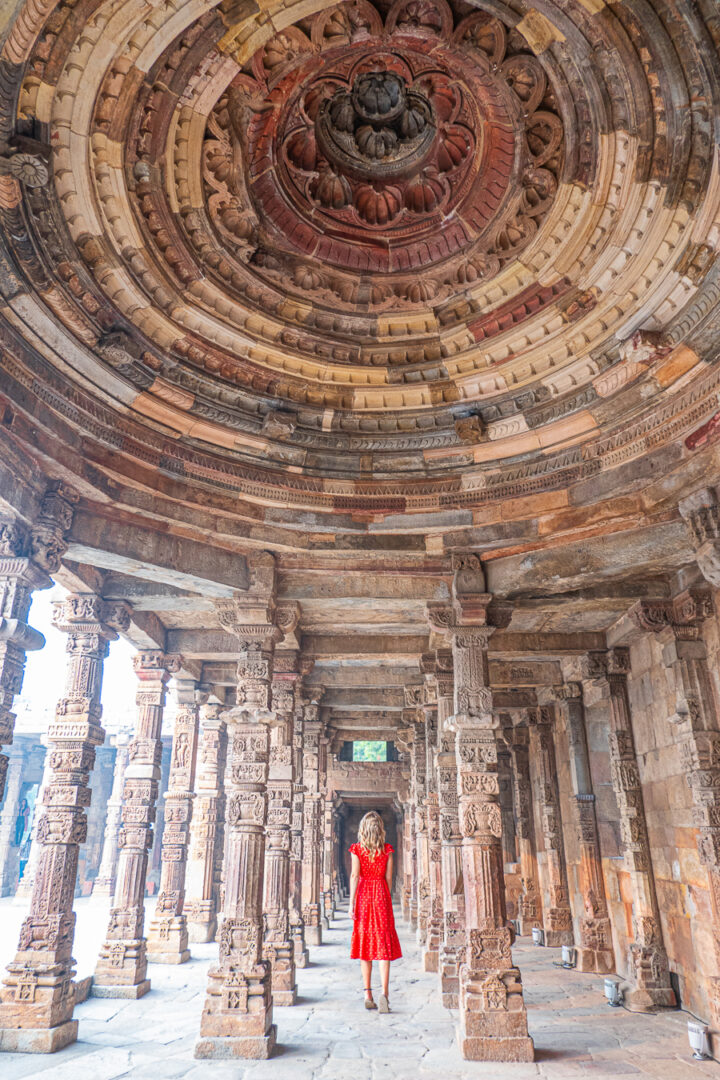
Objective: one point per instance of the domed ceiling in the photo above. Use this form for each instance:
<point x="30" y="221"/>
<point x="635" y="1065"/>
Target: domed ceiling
<point x="331" y="269"/>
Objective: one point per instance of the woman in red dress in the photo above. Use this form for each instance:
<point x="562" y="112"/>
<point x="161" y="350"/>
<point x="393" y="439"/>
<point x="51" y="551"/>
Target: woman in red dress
<point x="374" y="936"/>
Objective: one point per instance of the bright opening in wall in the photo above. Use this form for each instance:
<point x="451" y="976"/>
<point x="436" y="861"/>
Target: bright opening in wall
<point x="370" y="750"/>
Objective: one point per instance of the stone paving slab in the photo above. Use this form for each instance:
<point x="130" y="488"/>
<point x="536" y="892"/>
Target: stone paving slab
<point x="329" y="1035"/>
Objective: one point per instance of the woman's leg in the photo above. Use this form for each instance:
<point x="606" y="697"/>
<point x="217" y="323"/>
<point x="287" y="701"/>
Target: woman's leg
<point x="366" y="966"/>
<point x="385" y="975"/>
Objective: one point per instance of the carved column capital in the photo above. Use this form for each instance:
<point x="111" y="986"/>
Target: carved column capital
<point x="683" y="614"/>
<point x="569" y="691"/>
<point x="701" y="513"/>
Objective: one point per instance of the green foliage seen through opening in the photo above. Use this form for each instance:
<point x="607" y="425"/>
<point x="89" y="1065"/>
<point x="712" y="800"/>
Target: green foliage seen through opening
<point x="370" y="750"/>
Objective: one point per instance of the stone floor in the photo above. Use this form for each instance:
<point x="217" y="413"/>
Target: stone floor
<point x="329" y="1036"/>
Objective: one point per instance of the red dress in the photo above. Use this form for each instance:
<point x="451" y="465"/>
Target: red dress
<point x="374" y="936"/>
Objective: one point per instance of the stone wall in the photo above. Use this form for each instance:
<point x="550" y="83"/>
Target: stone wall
<point x="681" y="882"/>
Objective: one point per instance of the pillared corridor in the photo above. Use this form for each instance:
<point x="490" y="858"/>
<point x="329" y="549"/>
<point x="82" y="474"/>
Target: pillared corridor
<point x="328" y="1035"/>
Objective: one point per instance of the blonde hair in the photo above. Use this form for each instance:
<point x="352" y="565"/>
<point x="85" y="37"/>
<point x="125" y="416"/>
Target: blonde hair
<point x="371" y="834"/>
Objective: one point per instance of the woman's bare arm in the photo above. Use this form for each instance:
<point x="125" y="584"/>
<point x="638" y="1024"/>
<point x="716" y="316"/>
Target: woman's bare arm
<point x="354" y="878"/>
<point x="389" y="872"/>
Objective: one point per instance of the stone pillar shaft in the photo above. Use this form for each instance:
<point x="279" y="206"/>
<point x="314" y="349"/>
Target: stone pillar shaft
<point x="167" y="940"/>
<point x="36" y="1003"/>
<point x="278" y="946"/>
<point x="13" y="785"/>
<point x="297" y="922"/>
<point x="530" y="902"/>
<point x="557" y="916"/>
<point x="104" y="884"/>
<point x="418" y="781"/>
<point x="679" y="622"/>
<point x="121" y="969"/>
<point x="406" y="891"/>
<point x="453" y="899"/>
<point x="647" y="959"/>
<point x="206" y="828"/>
<point x="595" y="951"/>
<point x="434" y="932"/>
<point x="24" y="891"/>
<point x="313" y="826"/>
<point x="237" y="1018"/>
<point x="493" y="1020"/>
<point x="328" y="861"/>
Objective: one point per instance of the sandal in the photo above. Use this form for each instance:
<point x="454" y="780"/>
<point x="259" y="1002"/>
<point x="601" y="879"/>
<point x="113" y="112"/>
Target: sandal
<point x="369" y="1003"/>
<point x="383" y="1004"/>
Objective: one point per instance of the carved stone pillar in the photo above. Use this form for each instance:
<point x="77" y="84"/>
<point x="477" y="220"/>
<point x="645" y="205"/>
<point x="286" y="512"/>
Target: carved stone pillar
<point x="418" y="780"/>
<point x="13" y="784"/>
<point x="167" y="939"/>
<point x="207" y="828"/>
<point x="328" y="860"/>
<point x="406" y="890"/>
<point x="297" y="922"/>
<point x="696" y="720"/>
<point x="25" y="888"/>
<point x="647" y="958"/>
<point x="493" y="1020"/>
<point x="36" y="1003"/>
<point x="107" y="874"/>
<point x="434" y="932"/>
<point x="595" y="951"/>
<point x="415" y="883"/>
<point x="557" y="916"/>
<point x="530" y="903"/>
<point x="453" y="901"/>
<point x="312" y="836"/>
<point x="237" y="1017"/>
<point x="28" y="556"/>
<point x="121" y="969"/>
<point x="278" y="946"/>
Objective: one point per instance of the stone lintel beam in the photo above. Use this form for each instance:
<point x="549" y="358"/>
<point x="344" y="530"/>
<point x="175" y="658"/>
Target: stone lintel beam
<point x="140" y="551"/>
<point x="564" y="567"/>
<point x="338" y="646"/>
<point x="357" y="584"/>
<point x="154" y="595"/>
<point x="357" y="698"/>
<point x="533" y="645"/>
<point x="202" y="644"/>
<point x="524" y="673"/>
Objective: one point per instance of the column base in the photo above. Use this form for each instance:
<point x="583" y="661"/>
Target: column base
<point x="200" y="933"/>
<point x="496" y="1048"/>
<point x="167" y="940"/>
<point x="555" y="938"/>
<point x="168" y="957"/>
<point x="449" y="983"/>
<point x="285" y="997"/>
<point x="430" y="960"/>
<point x="302" y="957"/>
<point x="132" y="993"/>
<point x="649" y="1001"/>
<point x="599" y="961"/>
<point x="527" y="925"/>
<point x="493" y="1019"/>
<point x="313" y="935"/>
<point x="38" y="1040"/>
<point x="227" y="1047"/>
